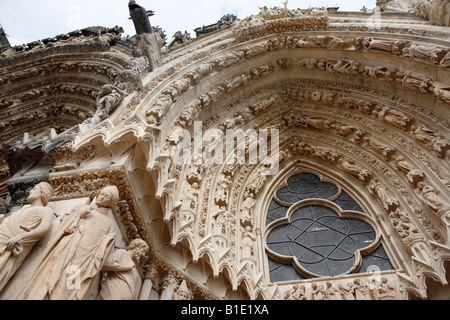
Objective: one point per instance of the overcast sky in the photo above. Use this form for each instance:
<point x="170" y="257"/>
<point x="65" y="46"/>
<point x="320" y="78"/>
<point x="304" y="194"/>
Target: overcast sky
<point x="28" y="20"/>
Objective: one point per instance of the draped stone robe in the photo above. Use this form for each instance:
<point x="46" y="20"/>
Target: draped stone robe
<point x="25" y="222"/>
<point x="121" y="279"/>
<point x="74" y="257"/>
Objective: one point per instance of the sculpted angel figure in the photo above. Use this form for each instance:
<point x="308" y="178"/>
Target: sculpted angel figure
<point x="20" y="231"/>
<point x="76" y="252"/>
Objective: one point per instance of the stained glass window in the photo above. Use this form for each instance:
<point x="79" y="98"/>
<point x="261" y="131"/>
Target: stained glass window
<point x="317" y="241"/>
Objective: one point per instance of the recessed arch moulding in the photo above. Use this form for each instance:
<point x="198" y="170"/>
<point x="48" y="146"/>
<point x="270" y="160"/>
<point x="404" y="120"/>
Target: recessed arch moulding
<point x="363" y="106"/>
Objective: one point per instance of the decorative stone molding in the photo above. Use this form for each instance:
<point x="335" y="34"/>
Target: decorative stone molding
<point x="373" y="124"/>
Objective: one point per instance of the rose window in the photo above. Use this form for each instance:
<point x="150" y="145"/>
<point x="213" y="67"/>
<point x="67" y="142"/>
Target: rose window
<point x="315" y="229"/>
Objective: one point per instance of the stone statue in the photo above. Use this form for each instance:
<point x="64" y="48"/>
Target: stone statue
<point x="432" y="140"/>
<point x="182" y="292"/>
<point x="431" y="198"/>
<point x="389" y="202"/>
<point x="220" y="222"/>
<point x="330" y="292"/>
<point x="121" y="279"/>
<point x="140" y="15"/>
<point x="318" y="291"/>
<point x="76" y="253"/>
<point x="139" y="63"/>
<point x="248" y="208"/>
<point x="361" y="290"/>
<point x="247" y="245"/>
<point x="350" y="167"/>
<point x="108" y="97"/>
<point x="412" y="173"/>
<point x="297" y="292"/>
<point x="20" y="231"/>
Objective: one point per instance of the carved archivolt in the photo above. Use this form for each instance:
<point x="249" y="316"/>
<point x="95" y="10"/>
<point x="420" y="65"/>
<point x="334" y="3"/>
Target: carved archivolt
<point x="370" y="124"/>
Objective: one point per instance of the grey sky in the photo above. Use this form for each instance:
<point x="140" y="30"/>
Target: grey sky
<point x="28" y="20"/>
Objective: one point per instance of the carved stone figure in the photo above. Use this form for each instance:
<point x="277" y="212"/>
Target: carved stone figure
<point x="330" y="292"/>
<point x="140" y="15"/>
<point x="121" y="279"/>
<point x="182" y="293"/>
<point x="440" y="12"/>
<point x="346" y="291"/>
<point x="223" y="189"/>
<point x="108" y="97"/>
<point x="318" y="291"/>
<point x="425" y="52"/>
<point x="414" y="175"/>
<point x="343" y="130"/>
<point x="320" y="124"/>
<point x="394" y="117"/>
<point x="76" y="253"/>
<point x="324" y="154"/>
<point x="140" y="62"/>
<point x="385" y="150"/>
<point x="432" y="140"/>
<point x="248" y="207"/>
<point x="159" y="109"/>
<point x="228" y="59"/>
<point x="20" y="231"/>
<point x="394" y="6"/>
<point x="220" y="222"/>
<point x="389" y="202"/>
<point x="248" y="243"/>
<point x="432" y="200"/>
<point x="441" y="91"/>
<point x="403" y="225"/>
<point x="350" y="167"/>
<point x="386" y="291"/>
<point x="296" y="293"/>
<point x="416" y="82"/>
<point x="361" y="290"/>
<point x="392" y="46"/>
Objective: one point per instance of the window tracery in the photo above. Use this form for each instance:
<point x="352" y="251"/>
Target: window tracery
<point x="315" y="229"/>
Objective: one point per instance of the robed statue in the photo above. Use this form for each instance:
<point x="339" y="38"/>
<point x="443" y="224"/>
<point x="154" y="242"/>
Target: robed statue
<point x="76" y="252"/>
<point x="20" y="231"/>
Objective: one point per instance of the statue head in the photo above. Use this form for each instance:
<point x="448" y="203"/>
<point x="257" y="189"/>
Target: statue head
<point x="108" y="196"/>
<point x="43" y="191"/>
<point x="138" y="249"/>
<point x="183" y="291"/>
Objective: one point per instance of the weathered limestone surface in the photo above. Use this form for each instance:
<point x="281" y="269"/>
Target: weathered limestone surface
<point x="359" y="99"/>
